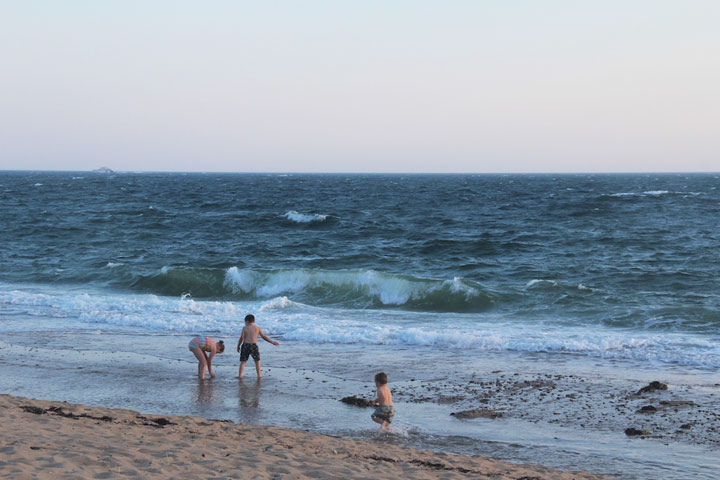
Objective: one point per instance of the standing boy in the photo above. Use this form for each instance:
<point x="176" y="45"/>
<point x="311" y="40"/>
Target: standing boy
<point x="384" y="409"/>
<point x="248" y="340"/>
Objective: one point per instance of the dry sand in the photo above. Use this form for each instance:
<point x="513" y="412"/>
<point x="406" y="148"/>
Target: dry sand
<point x="42" y="439"/>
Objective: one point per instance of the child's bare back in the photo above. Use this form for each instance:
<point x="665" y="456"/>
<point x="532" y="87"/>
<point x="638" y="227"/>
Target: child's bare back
<point x="384" y="395"/>
<point x="247" y="344"/>
<point x="250" y="333"/>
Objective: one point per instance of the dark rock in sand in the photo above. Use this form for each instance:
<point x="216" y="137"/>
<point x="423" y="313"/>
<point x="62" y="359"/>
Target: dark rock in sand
<point x="647" y="409"/>
<point x="632" y="432"/>
<point x="34" y="410"/>
<point x="477" y="413"/>
<point x="356" y="401"/>
<point x="161" y="421"/>
<point x="651" y="387"/>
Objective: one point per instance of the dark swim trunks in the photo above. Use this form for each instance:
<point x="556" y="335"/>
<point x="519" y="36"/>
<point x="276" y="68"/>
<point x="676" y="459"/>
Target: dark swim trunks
<point x="249" y="350"/>
<point x="384" y="413"/>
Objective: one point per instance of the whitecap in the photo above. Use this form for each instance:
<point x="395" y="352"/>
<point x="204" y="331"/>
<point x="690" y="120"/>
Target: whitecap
<point x="279" y="303"/>
<point x="298" y="217"/>
<point x="540" y="282"/>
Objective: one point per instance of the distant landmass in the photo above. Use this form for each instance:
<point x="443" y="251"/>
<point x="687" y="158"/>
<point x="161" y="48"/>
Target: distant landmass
<point x="103" y="170"/>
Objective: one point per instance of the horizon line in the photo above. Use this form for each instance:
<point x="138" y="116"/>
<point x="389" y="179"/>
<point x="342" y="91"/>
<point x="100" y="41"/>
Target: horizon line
<point x="639" y="172"/>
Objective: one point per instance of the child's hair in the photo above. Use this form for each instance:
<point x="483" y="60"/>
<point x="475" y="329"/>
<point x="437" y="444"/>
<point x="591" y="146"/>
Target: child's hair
<point x="381" y="378"/>
<point x="220" y="346"/>
<point x="250" y="318"/>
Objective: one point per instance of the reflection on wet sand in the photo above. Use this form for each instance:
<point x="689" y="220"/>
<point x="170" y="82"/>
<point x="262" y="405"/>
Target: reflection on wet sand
<point x="249" y="393"/>
<point x="205" y="392"/>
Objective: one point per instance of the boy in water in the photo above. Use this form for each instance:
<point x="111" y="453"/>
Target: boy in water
<point x="384" y="409"/>
<point x="248" y="340"/>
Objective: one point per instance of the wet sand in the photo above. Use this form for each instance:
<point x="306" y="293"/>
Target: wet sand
<point x="673" y="414"/>
<point x="62" y="440"/>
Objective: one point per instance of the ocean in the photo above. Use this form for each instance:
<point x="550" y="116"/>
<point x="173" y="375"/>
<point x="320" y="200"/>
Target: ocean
<point x="432" y="278"/>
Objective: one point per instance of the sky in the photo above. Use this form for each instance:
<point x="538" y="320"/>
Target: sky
<point x="360" y="86"/>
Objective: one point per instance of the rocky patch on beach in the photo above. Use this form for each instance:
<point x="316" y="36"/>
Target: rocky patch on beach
<point x="652" y="387"/>
<point x="62" y="413"/>
<point x="477" y="413"/>
<point x="647" y="409"/>
<point x="657" y="410"/>
<point x="356" y="401"/>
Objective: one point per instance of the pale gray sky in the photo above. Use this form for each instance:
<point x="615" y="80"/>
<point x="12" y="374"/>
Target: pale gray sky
<point x="366" y="86"/>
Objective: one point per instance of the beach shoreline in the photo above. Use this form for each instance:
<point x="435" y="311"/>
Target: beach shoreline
<point x="505" y="407"/>
<point x="62" y="440"/>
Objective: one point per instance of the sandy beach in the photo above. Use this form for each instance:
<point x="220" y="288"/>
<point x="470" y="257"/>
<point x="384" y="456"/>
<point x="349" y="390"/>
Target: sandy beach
<point x="62" y="440"/>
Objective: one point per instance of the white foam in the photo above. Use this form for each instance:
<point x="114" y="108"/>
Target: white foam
<point x="113" y="264"/>
<point x="189" y="306"/>
<point x="293" y="321"/>
<point x="298" y="217"/>
<point x="280" y="303"/>
<point x="597" y="342"/>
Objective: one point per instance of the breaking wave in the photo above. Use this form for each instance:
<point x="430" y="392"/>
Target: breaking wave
<point x="339" y="288"/>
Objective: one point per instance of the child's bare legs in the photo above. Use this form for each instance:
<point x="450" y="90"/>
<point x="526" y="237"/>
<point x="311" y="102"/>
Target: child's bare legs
<point x="257" y="368"/>
<point x="383" y="424"/>
<point x="202" y="362"/>
<point x="242" y="369"/>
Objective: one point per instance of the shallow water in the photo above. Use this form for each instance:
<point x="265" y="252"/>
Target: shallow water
<point x="303" y="383"/>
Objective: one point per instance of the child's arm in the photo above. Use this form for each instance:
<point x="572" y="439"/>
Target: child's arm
<point x="266" y="338"/>
<point x="209" y="362"/>
<point x="240" y="341"/>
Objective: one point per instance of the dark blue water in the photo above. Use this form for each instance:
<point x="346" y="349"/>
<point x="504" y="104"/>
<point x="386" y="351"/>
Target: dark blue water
<point x="616" y="265"/>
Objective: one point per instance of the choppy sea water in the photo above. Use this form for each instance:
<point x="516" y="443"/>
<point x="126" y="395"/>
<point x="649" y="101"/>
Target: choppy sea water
<point x="616" y="272"/>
